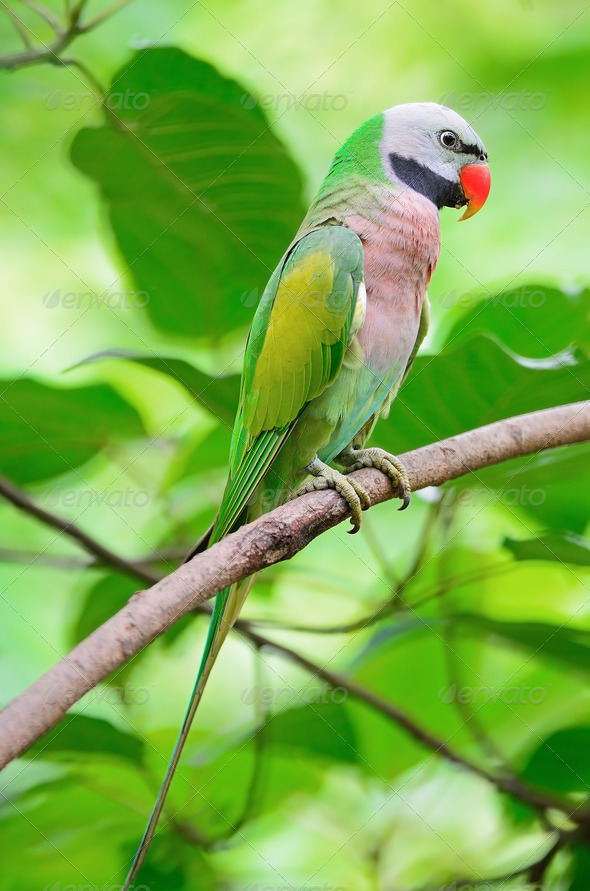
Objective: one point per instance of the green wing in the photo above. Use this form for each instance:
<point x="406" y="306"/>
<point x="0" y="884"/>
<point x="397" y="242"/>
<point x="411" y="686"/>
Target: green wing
<point x="295" y="350"/>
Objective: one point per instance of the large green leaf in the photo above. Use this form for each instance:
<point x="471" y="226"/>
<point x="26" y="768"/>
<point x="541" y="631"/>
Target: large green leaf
<point x="79" y="735"/>
<point x="533" y="320"/>
<point x="322" y="729"/>
<point x="551" y="486"/>
<point x="479" y="382"/>
<point x="482" y="376"/>
<point x="561" y="762"/>
<point x="563" y="547"/>
<point x="563" y="643"/>
<point x="48" y="431"/>
<point x="580" y="868"/>
<point x="219" y="395"/>
<point x="203" y="198"/>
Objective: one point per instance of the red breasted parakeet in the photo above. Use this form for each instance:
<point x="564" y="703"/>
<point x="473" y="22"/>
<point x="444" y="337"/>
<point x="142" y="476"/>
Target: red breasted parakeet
<point x="337" y="329"/>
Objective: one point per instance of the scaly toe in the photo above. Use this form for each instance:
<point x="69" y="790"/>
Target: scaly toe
<point x="325" y="477"/>
<point x="397" y="474"/>
<point x="357" y="500"/>
<point x="387" y="464"/>
<point x="362" y="494"/>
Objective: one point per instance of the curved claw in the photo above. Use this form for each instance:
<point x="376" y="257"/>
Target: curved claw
<point x="407" y="499"/>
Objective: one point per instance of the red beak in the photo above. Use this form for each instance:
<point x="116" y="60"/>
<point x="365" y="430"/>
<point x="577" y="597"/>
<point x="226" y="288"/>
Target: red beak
<point x="475" y="182"/>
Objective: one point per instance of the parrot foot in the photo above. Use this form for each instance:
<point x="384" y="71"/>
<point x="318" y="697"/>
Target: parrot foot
<point x="355" y="459"/>
<point x="325" y="477"/>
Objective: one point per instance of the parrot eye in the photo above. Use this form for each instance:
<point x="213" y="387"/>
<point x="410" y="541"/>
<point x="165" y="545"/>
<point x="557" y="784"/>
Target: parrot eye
<point x="448" y="139"/>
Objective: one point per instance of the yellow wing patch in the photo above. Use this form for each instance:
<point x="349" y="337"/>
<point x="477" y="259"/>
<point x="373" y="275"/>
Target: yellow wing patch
<point x="300" y="333"/>
<point x="307" y="315"/>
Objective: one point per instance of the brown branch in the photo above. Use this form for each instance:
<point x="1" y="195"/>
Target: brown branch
<point x="276" y="536"/>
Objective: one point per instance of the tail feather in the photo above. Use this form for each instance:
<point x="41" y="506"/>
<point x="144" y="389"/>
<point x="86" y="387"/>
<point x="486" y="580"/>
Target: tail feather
<point x="228" y="604"/>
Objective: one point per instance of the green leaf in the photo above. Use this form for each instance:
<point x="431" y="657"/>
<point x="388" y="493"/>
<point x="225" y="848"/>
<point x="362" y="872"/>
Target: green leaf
<point x="389" y="633"/>
<point x="580" y="868"/>
<point x="561" y="762"/>
<point x="565" y="644"/>
<point x="212" y="452"/>
<point x="203" y="199"/>
<point x="80" y="735"/>
<point x="103" y="600"/>
<point x="483" y="382"/>
<point x="551" y="486"/>
<point x="321" y="729"/>
<point x="533" y="320"/>
<point x="219" y="395"/>
<point x="562" y="547"/>
<point x="48" y="431"/>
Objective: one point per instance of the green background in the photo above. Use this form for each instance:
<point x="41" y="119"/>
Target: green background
<point x="172" y="210"/>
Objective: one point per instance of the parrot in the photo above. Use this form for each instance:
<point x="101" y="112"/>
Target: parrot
<point x="334" y="336"/>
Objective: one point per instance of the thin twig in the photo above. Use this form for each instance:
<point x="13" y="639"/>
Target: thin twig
<point x="18" y="24"/>
<point x="103" y="16"/>
<point x="50" y="53"/>
<point x="45" y="14"/>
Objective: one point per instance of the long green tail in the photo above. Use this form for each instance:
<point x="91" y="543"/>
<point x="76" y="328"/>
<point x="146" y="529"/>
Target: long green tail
<point x="228" y="604"/>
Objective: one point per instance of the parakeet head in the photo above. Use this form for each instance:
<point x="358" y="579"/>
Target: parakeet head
<point x="430" y="148"/>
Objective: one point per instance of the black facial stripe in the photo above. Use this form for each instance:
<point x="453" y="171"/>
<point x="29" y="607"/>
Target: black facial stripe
<point x="471" y="149"/>
<point x="442" y="192"/>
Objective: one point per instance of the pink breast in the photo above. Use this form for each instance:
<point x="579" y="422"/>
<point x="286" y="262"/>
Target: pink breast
<point x="401" y="246"/>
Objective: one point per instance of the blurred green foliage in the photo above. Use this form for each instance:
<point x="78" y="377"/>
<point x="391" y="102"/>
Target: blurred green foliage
<point x="137" y="235"/>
